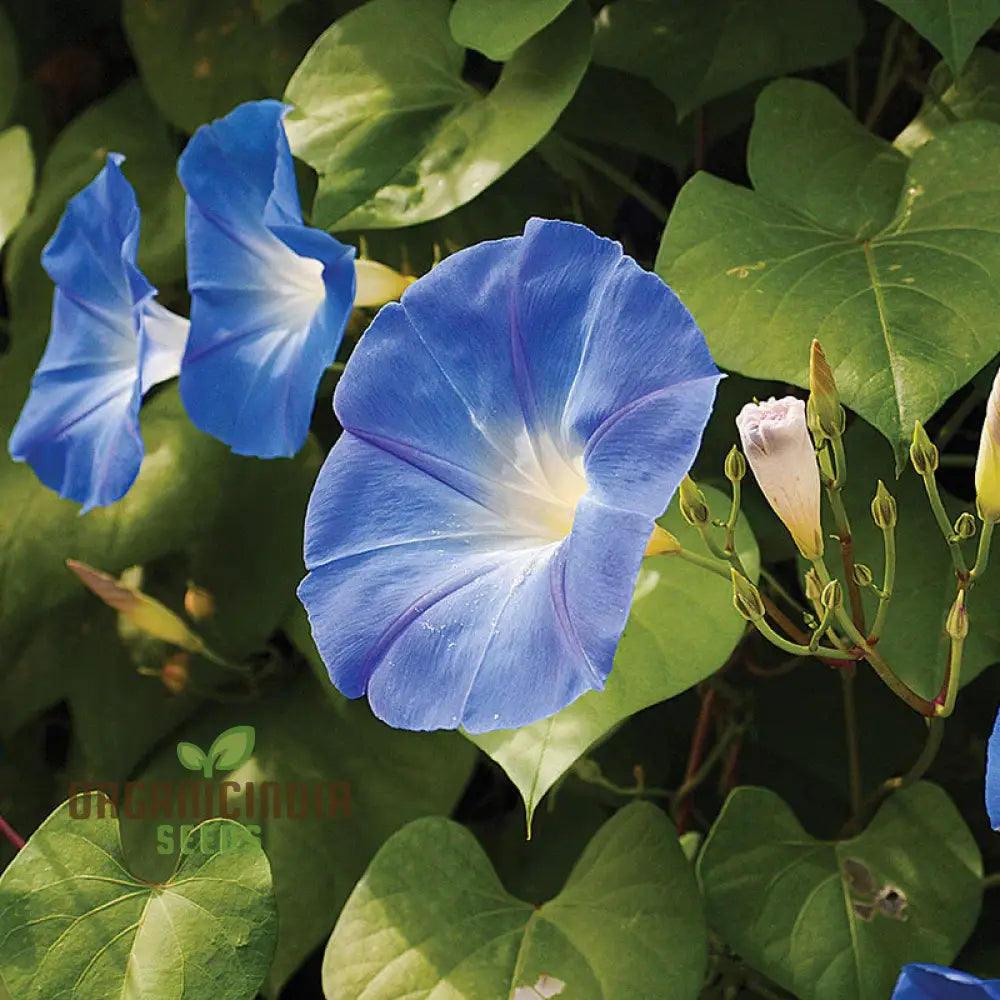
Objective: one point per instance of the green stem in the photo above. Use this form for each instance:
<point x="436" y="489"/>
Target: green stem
<point x="734" y="513"/>
<point x="954" y="678"/>
<point x="935" y="733"/>
<point x="886" y="674"/>
<point x="945" y="526"/>
<point x="712" y="565"/>
<point x="851" y="738"/>
<point x="844" y="534"/>
<point x="983" y="552"/>
<point x="991" y="881"/>
<point x="887" y="77"/>
<point x="796" y="649"/>
<point x="888" y="582"/>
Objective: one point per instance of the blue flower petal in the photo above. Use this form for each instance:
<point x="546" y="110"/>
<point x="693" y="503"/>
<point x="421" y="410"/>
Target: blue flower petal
<point x="936" y="982"/>
<point x="109" y="343"/>
<point x="993" y="776"/>
<point x="474" y="537"/>
<point x="270" y="297"/>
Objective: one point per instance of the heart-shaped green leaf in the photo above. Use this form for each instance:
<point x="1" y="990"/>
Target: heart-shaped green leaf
<point x="200" y="58"/>
<point x="681" y="628"/>
<point x="802" y="911"/>
<point x="953" y="28"/>
<point x="394" y="132"/>
<point x="975" y="94"/>
<point x="499" y="31"/>
<point x="893" y="264"/>
<point x="372" y="780"/>
<point x="626" y="926"/>
<point x="696" y="51"/>
<point x="75" y="922"/>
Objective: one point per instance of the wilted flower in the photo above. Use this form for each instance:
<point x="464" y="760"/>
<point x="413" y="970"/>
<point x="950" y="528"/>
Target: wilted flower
<point x="110" y="342"/>
<point x="270" y="296"/>
<point x="937" y="982"/>
<point x="988" y="461"/>
<point x="780" y="452"/>
<point x="475" y="535"/>
<point x="993" y="776"/>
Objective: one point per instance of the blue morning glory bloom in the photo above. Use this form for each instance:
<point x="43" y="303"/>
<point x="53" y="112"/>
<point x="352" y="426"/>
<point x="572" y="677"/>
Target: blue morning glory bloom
<point x="512" y="428"/>
<point x="270" y="296"/>
<point x="110" y="342"/>
<point x="936" y="982"/>
<point x="993" y="776"/>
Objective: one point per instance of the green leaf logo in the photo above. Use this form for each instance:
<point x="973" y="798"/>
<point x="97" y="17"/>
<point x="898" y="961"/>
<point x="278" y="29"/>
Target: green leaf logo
<point x="228" y="751"/>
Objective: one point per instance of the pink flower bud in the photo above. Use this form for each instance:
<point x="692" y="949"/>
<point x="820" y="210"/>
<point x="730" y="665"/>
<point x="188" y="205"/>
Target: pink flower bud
<point x="777" y="445"/>
<point x="988" y="462"/>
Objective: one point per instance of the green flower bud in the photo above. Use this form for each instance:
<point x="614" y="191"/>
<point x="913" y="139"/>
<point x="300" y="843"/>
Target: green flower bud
<point x="825" y="414"/>
<point x="694" y="507"/>
<point x="965" y="526"/>
<point x="957" y="623"/>
<point x="923" y="453"/>
<point x="813" y="589"/>
<point x="832" y="596"/>
<point x="884" y="512"/>
<point x="736" y="465"/>
<point x="863" y="575"/>
<point x="746" y="598"/>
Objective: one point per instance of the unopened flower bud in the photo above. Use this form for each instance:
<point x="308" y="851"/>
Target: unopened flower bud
<point x="174" y="673"/>
<point x="923" y="452"/>
<point x="965" y="526"/>
<point x="863" y="575"/>
<point x="140" y="610"/>
<point x="376" y="284"/>
<point x="988" y="460"/>
<point x="778" y="447"/>
<point x="746" y="598"/>
<point x="198" y="602"/>
<point x="813" y="588"/>
<point x="694" y="507"/>
<point x="832" y="596"/>
<point x="826" y="416"/>
<point x="957" y="623"/>
<point x="736" y="465"/>
<point x="884" y="512"/>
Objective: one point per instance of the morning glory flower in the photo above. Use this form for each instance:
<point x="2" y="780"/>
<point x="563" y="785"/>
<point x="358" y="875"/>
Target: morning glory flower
<point x="512" y="428"/>
<point x="270" y="296"/>
<point x="993" y="776"/>
<point x="936" y="982"/>
<point x="110" y="342"/>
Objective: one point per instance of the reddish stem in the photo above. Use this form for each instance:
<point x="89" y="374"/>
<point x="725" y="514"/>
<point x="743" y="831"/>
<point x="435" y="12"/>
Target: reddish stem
<point x="11" y="834"/>
<point x="696" y="754"/>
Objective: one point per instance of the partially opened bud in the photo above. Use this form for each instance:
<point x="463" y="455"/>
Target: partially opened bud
<point x="694" y="507"/>
<point x="965" y="526"/>
<point x="988" y="462"/>
<point x="832" y="596"/>
<point x="884" y="512"/>
<point x="957" y="624"/>
<point x="780" y="452"/>
<point x="923" y="451"/>
<point x="746" y="598"/>
<point x="863" y="575"/>
<point x="827" y="417"/>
